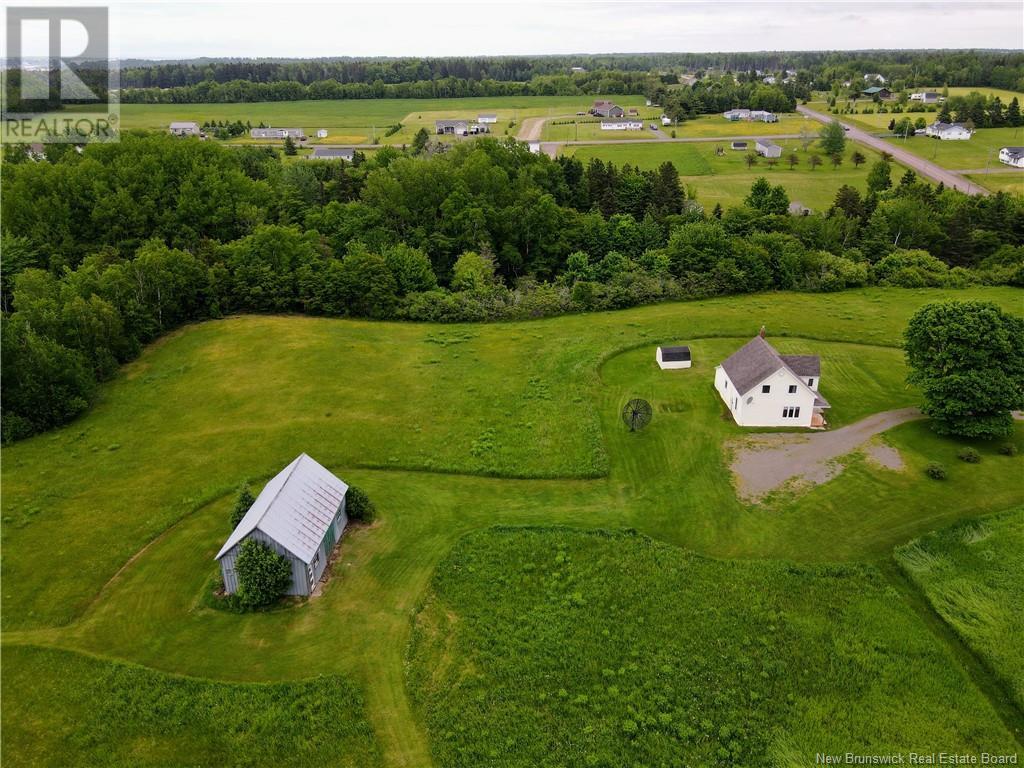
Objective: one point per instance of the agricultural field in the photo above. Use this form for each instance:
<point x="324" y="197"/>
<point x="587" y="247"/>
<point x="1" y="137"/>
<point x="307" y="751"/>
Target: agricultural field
<point x="712" y="126"/>
<point x="726" y="179"/>
<point x="360" y="121"/>
<point x="549" y="647"/>
<point x="971" y="574"/>
<point x="451" y="429"/>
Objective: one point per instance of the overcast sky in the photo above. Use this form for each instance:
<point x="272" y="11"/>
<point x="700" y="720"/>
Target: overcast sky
<point x="309" y="29"/>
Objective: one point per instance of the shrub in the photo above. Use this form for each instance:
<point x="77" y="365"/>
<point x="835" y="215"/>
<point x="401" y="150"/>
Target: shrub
<point x="935" y="471"/>
<point x="358" y="505"/>
<point x="263" y="575"/>
<point x="1009" y="449"/>
<point x="243" y="501"/>
<point x="969" y="455"/>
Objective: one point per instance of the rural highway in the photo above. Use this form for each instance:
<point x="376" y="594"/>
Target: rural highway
<point x="924" y="167"/>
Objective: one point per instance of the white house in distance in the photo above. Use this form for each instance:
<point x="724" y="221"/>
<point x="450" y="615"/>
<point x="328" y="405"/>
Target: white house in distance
<point x="332" y="153"/>
<point x="750" y="115"/>
<point x="927" y="97"/>
<point x="299" y="514"/>
<point x="666" y="120"/>
<point x="1012" y="156"/>
<point x="673" y="357"/>
<point x="948" y="131"/>
<point x="321" y="133"/>
<point x="487" y="118"/>
<point x="277" y="133"/>
<point x="622" y="124"/>
<point x="874" y="77"/>
<point x="767" y="148"/>
<point x="185" y="129"/>
<point x="762" y="388"/>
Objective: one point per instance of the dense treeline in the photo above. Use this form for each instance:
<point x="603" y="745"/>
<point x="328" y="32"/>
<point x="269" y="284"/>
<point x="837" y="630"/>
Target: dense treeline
<point x="367" y="78"/>
<point x="106" y="249"/>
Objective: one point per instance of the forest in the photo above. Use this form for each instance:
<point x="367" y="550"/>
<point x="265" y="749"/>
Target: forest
<point x="207" y="80"/>
<point x="108" y="248"/>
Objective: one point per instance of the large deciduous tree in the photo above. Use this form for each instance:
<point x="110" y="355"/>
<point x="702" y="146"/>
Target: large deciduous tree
<point x="833" y="138"/>
<point x="967" y="357"/>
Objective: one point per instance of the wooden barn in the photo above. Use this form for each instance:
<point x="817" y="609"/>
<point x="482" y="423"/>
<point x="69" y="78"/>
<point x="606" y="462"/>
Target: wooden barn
<point x="300" y="514"/>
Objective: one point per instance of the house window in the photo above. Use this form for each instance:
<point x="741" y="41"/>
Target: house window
<point x="792" y="389"/>
<point x="766" y="388"/>
<point x="810" y="382"/>
<point x="790" y="412"/>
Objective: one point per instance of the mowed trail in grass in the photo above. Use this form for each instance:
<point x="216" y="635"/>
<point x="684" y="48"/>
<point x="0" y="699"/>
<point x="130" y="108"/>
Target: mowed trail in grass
<point x="971" y="574"/>
<point x="549" y="647"/>
<point x="726" y="178"/>
<point x="154" y="463"/>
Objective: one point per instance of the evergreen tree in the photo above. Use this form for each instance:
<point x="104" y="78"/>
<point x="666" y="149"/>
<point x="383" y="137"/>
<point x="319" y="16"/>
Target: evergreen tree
<point x="880" y="176"/>
<point x="1013" y="117"/>
<point x="289" y="146"/>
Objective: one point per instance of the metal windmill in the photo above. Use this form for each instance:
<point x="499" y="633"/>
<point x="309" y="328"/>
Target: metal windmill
<point x="637" y="414"/>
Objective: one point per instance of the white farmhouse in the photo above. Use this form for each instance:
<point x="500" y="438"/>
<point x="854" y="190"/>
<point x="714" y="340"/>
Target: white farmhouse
<point x="488" y="118"/>
<point x="1012" y="156"/>
<point x="767" y="148"/>
<point x="666" y="120"/>
<point x="762" y="388"/>
<point x="185" y="129"/>
<point x="948" y="131"/>
<point x="673" y="357"/>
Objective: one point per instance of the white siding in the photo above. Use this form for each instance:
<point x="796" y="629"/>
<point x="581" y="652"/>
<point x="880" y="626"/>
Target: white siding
<point x="765" y="409"/>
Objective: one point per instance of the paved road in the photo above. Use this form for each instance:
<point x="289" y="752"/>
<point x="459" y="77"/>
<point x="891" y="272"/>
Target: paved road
<point x="924" y="167"/>
<point x="764" y="462"/>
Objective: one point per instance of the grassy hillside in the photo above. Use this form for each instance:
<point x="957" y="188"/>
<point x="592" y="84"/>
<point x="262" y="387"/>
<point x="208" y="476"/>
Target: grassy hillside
<point x="973" y="575"/>
<point x="66" y="709"/>
<point x="552" y="647"/>
<point x="450" y="429"/>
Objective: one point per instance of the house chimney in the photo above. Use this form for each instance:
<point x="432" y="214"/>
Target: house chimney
<point x="761" y="332"/>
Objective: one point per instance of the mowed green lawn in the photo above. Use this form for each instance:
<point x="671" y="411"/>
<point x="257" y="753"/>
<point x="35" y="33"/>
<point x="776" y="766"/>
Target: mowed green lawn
<point x="450" y="429"/>
<point x="710" y="126"/>
<point x="971" y="574"/>
<point x="726" y="179"/>
<point x="357" y="121"/>
<point x="548" y="647"/>
<point x="589" y="130"/>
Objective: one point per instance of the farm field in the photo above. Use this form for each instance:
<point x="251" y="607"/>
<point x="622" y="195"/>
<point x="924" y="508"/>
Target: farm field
<point x="970" y="573"/>
<point x="554" y="647"/>
<point x="710" y="126"/>
<point x="726" y="179"/>
<point x="980" y="151"/>
<point x="356" y="121"/>
<point x="450" y="429"/>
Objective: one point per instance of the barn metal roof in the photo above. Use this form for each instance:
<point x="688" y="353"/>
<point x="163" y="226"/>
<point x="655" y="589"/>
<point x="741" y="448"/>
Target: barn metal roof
<point x="294" y="509"/>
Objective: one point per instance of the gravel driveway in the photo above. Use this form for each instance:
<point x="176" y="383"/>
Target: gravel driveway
<point x="765" y="462"/>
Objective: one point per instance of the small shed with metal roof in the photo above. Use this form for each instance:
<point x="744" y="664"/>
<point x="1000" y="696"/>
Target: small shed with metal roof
<point x="673" y="357"/>
<point x="299" y="514"/>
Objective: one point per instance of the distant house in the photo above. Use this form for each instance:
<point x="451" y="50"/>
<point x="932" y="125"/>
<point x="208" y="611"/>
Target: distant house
<point x="666" y="120"/>
<point x="767" y="148"/>
<point x="622" y="124"/>
<point x="633" y="112"/>
<point x="877" y="90"/>
<point x="604" y="108"/>
<point x="847" y="83"/>
<point x="673" y="357"/>
<point x="321" y="133"/>
<point x="927" y="97"/>
<point x="577" y="69"/>
<point x="299" y="514"/>
<point x="796" y="208"/>
<point x="1012" y="156"/>
<point x="740" y="145"/>
<point x="333" y="153"/>
<point x="948" y="131"/>
<point x="534" y="147"/>
<point x="452" y="127"/>
<point x="762" y="388"/>
<point x="185" y="129"/>
<point x="487" y="118"/>
<point x="874" y="77"/>
<point x="751" y="115"/>
<point x="770" y="80"/>
<point x="277" y="133"/>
